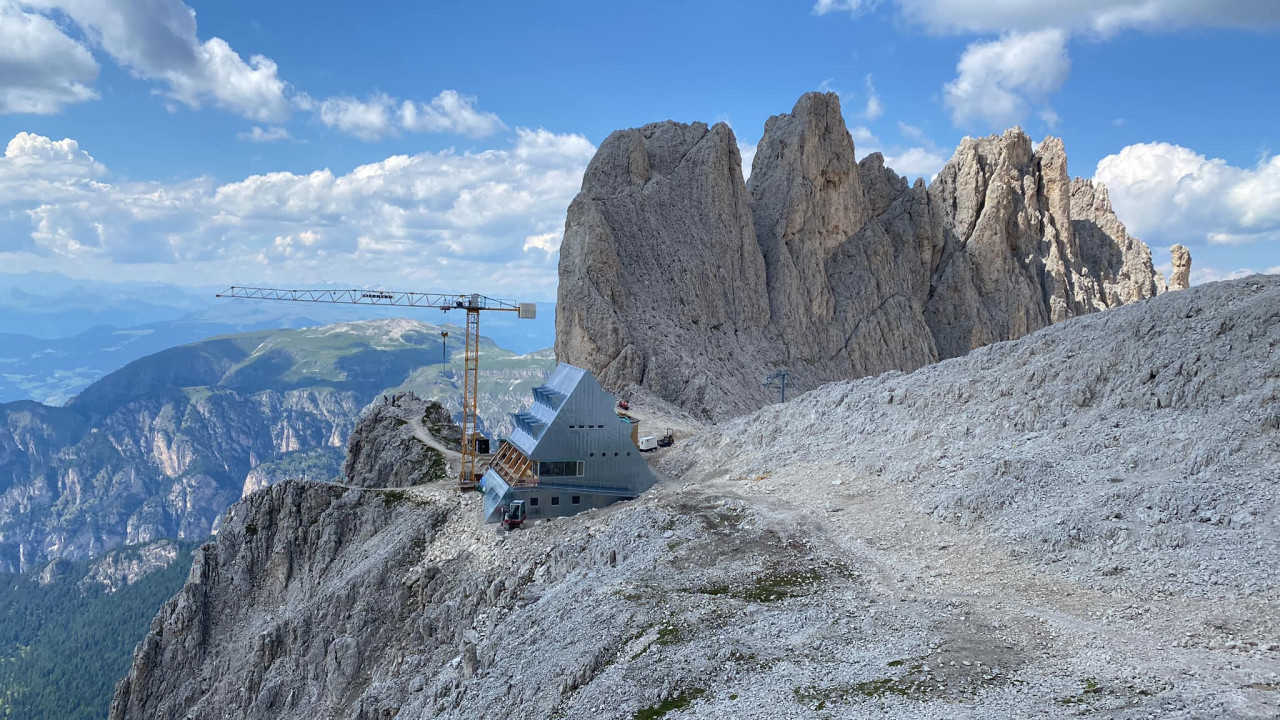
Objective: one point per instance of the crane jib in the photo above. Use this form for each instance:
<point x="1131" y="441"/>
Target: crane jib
<point x="473" y="303"/>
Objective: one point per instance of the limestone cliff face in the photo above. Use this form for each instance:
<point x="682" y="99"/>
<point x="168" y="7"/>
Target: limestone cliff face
<point x="663" y="257"/>
<point x="847" y="275"/>
<point x="383" y="450"/>
<point x="1181" y="278"/>
<point x="678" y="277"/>
<point x="161" y="466"/>
<point x="1024" y="245"/>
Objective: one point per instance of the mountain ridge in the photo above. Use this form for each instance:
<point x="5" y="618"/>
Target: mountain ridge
<point x="159" y="448"/>
<point x="679" y="277"/>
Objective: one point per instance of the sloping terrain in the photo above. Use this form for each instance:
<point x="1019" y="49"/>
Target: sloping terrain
<point x="1082" y="522"/>
<point x="161" y="447"/>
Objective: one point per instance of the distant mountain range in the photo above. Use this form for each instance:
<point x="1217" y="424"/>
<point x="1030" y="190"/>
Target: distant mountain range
<point x="158" y="448"/>
<point x="58" y="335"/>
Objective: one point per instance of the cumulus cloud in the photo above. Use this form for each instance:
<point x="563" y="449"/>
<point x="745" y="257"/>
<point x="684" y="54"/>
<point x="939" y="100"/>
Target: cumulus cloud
<point x="369" y="119"/>
<point x="443" y="220"/>
<point x="41" y="68"/>
<point x="1168" y="193"/>
<point x="382" y="116"/>
<point x="269" y="135"/>
<point x="156" y="40"/>
<point x="449" y="112"/>
<point x="997" y="81"/>
<point x="916" y="162"/>
<point x="1102" y="17"/>
<point x="546" y="242"/>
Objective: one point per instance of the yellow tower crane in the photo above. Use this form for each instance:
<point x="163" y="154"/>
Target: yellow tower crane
<point x="472" y="303"/>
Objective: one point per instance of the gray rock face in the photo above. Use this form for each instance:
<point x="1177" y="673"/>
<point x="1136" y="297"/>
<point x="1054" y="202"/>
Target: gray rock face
<point x="272" y="551"/>
<point x="160" y="466"/>
<point x="382" y="450"/>
<point x="677" y="277"/>
<point x="1181" y="278"/>
<point x="662" y="256"/>
<point x="125" y="566"/>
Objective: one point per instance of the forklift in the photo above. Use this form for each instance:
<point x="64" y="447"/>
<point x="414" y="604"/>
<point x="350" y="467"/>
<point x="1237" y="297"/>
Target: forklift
<point x="513" y="515"/>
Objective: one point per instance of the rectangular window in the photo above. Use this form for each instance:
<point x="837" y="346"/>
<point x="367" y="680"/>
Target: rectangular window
<point x="555" y="499"/>
<point x="565" y="468"/>
<point x="533" y="502"/>
<point x="577" y="499"/>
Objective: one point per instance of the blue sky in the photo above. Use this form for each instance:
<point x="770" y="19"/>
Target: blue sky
<point x="437" y="145"/>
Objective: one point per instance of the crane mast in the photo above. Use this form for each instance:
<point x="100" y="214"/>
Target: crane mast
<point x="473" y="303"/>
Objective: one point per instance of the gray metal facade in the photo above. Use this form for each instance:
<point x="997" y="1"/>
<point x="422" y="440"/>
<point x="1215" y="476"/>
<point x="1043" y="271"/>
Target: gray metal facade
<point x="571" y="424"/>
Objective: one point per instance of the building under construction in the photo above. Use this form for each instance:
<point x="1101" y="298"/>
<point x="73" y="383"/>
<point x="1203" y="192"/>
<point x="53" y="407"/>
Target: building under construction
<point x="570" y="451"/>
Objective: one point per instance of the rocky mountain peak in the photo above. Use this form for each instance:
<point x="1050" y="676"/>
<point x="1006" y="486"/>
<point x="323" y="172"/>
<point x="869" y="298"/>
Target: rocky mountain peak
<point x="678" y="277"/>
<point x="1181" y="278"/>
<point x="664" y="254"/>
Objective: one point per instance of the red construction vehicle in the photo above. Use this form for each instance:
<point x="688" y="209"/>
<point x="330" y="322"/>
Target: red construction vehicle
<point x="513" y="516"/>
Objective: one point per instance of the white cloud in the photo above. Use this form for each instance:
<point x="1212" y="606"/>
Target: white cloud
<point x="271" y="134"/>
<point x="1049" y="117"/>
<point x="865" y="142"/>
<point x="35" y="169"/>
<point x="1167" y="193"/>
<point x="41" y="68"/>
<point x="874" y="109"/>
<point x="853" y="7"/>
<point x="998" y="80"/>
<point x="449" y="112"/>
<point x="546" y="242"/>
<point x="156" y="40"/>
<point x="1101" y="17"/>
<point x="439" y="220"/>
<point x="382" y="116"/>
<point x="916" y="162"/>
<point x="370" y="119"/>
<point x="748" y="152"/>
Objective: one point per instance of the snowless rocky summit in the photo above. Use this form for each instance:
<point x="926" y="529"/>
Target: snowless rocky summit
<point x="384" y="449"/>
<point x="1181" y="278"/>
<point x="679" y="277"/>
<point x="1081" y="522"/>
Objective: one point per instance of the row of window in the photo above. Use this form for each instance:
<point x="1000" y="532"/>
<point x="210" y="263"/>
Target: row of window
<point x="586" y="427"/>
<point x="565" y="468"/>
<point x="605" y="454"/>
<point x="555" y="500"/>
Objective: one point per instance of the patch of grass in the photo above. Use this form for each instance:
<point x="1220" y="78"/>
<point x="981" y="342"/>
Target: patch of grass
<point x="393" y="498"/>
<point x="817" y="697"/>
<point x="771" y="586"/>
<point x="1089" y="687"/>
<point x="882" y="687"/>
<point x="676" y="702"/>
<point x="670" y="635"/>
<point x="250" y="529"/>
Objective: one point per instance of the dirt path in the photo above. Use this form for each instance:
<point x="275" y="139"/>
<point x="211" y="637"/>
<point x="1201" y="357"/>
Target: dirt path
<point x="986" y="605"/>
